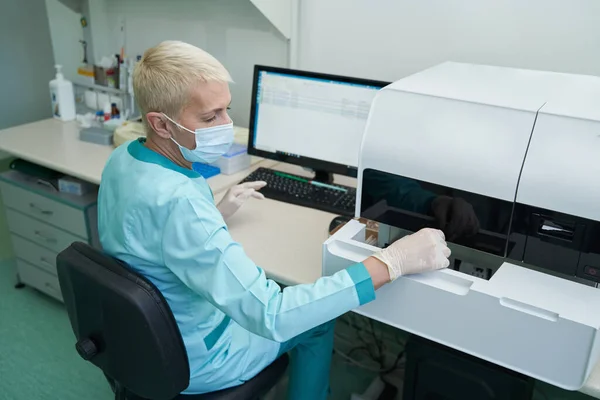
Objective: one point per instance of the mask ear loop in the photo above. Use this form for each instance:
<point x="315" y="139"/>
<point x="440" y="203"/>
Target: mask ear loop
<point x="178" y="125"/>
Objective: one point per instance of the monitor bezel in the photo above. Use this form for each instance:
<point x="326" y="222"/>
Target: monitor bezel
<point x="307" y="162"/>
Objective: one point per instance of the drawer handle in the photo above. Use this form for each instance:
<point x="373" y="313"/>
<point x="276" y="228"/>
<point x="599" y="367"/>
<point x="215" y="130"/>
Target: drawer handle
<point x="45" y="261"/>
<point x="46" y="238"/>
<point x="40" y="210"/>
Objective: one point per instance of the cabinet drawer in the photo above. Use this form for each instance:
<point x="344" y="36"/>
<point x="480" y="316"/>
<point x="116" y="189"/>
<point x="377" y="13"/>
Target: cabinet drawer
<point x="34" y="254"/>
<point x="45" y="209"/>
<point x="39" y="279"/>
<point x="40" y="233"/>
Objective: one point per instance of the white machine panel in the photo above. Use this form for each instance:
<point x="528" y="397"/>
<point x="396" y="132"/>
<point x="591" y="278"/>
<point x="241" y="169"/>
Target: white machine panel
<point x="521" y="319"/>
<point x="561" y="172"/>
<point x="521" y="143"/>
<point x="470" y="146"/>
<point x="495" y="86"/>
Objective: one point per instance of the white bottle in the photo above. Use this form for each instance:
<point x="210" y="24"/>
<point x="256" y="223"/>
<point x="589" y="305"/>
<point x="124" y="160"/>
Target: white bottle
<point x="62" y="96"/>
<point x="122" y="76"/>
<point x="107" y="111"/>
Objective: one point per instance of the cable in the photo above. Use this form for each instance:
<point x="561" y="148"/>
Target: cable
<point x="357" y="363"/>
<point x="356" y="349"/>
<point x="359" y="331"/>
<point x="375" y="357"/>
<point x="396" y="363"/>
<point x="381" y="370"/>
<point x="337" y="336"/>
<point x="373" y="344"/>
<point x="378" y="342"/>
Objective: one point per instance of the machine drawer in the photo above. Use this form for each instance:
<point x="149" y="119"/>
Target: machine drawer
<point x="45" y="209"/>
<point x="515" y="319"/>
<point x="39" y="279"/>
<point x="40" y="233"/>
<point x="35" y="254"/>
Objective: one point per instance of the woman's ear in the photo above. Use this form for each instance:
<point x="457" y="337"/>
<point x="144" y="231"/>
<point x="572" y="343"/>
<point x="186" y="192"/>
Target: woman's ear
<point x="158" y="123"/>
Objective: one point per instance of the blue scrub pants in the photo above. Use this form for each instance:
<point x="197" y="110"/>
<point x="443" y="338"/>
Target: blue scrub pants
<point x="310" y="363"/>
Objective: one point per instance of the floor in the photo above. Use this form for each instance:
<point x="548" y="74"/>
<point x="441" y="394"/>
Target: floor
<point x="38" y="360"/>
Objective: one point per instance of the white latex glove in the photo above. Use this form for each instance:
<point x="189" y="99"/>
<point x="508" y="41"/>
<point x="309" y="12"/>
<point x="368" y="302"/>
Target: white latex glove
<point x="422" y="251"/>
<point x="237" y="195"/>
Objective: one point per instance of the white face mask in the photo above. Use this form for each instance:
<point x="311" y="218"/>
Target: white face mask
<point x="211" y="143"/>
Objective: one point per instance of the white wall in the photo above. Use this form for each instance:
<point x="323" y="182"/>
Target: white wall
<point x="380" y="39"/>
<point x="234" y="31"/>
<point x="27" y="63"/>
<point x="25" y="71"/>
<point x="65" y="32"/>
<point x="389" y="39"/>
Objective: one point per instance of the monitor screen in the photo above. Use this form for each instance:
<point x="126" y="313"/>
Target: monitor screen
<point x="309" y="119"/>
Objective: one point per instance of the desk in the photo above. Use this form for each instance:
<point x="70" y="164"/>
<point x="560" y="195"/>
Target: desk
<point x="288" y="246"/>
<point x="292" y="258"/>
<point x="290" y="241"/>
<point x="56" y="145"/>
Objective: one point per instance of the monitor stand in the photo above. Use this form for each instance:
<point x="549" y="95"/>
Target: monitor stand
<point x="323" y="176"/>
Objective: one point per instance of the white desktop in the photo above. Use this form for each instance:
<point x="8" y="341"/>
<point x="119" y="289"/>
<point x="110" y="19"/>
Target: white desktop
<point x="312" y="120"/>
<point x="317" y="117"/>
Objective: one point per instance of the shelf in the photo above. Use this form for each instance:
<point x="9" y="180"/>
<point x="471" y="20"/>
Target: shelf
<point x="75" y="5"/>
<point x="278" y="12"/>
<point x="100" y="88"/>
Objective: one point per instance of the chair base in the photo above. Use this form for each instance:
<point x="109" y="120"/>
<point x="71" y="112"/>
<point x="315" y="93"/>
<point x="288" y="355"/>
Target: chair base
<point x="254" y="389"/>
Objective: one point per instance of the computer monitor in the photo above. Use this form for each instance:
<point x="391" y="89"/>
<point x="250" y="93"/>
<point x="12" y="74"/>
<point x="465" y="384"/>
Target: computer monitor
<point x="310" y="119"/>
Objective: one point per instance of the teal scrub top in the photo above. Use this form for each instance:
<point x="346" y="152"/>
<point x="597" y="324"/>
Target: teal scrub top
<point x="161" y="219"/>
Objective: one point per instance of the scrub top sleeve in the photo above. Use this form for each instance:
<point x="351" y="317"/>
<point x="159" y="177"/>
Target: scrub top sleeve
<point x="198" y="249"/>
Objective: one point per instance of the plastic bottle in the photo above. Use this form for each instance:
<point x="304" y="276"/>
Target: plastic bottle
<point x="131" y="109"/>
<point x="122" y="73"/>
<point x="62" y="96"/>
<point x="114" y="111"/>
<point x="107" y="110"/>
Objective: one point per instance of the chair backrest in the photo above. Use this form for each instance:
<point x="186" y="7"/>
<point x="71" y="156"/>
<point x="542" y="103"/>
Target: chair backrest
<point x="122" y="323"/>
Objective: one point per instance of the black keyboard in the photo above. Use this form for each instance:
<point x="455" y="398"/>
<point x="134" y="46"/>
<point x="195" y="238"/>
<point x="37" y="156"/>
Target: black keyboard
<point x="297" y="190"/>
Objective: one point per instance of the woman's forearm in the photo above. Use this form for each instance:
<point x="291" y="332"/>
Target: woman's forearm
<point x="378" y="271"/>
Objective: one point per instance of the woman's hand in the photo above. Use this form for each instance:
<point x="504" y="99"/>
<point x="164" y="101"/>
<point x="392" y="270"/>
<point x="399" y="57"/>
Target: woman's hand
<point x="423" y="251"/>
<point x="237" y="195"/>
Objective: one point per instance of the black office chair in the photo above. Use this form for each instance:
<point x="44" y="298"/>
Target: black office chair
<point x="124" y="326"/>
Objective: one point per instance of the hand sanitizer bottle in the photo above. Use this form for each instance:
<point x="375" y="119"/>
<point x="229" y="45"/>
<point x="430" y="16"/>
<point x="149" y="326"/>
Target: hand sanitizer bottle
<point x="62" y="96"/>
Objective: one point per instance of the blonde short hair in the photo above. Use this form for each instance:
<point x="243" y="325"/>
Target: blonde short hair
<point x="162" y="79"/>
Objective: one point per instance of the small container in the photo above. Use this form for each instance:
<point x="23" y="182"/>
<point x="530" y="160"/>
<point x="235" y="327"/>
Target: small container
<point x="122" y="74"/>
<point x="114" y="111"/>
<point x="112" y="124"/>
<point x="112" y="78"/>
<point x="91" y="99"/>
<point x="85" y="74"/>
<point x="96" y="135"/>
<point x="106" y="76"/>
<point x="107" y="111"/>
<point x="235" y="160"/>
<point x="74" y="186"/>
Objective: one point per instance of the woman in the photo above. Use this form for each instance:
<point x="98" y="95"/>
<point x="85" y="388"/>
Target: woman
<point x="158" y="215"/>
